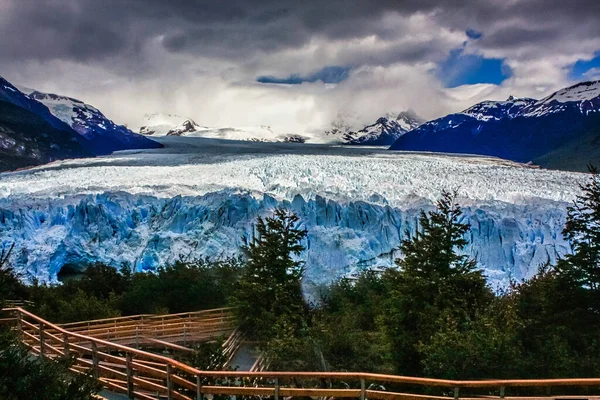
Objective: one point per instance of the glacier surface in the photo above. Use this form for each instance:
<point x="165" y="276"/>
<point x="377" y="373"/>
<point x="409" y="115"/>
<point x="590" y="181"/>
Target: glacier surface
<point x="200" y="197"/>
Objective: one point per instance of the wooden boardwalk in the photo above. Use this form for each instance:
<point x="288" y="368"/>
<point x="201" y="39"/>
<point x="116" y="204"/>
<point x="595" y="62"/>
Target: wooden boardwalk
<point x="150" y="330"/>
<point x="143" y="375"/>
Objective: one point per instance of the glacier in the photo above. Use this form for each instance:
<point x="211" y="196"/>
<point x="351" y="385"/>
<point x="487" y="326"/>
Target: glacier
<point x="200" y="197"/>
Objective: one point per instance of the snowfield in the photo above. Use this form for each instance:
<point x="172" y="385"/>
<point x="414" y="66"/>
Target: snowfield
<point x="199" y="197"/>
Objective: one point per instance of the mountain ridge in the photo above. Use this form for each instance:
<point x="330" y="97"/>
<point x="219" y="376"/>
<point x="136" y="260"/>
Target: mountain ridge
<point x="523" y="130"/>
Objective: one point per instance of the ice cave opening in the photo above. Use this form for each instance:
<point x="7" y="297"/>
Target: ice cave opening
<point x="70" y="272"/>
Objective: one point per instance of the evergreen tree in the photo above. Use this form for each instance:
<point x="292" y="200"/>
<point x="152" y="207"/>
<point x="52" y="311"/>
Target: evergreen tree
<point x="434" y="285"/>
<point x="583" y="231"/>
<point x="270" y="287"/>
<point x="431" y="253"/>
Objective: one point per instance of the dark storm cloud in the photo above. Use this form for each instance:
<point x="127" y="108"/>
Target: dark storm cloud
<point x="84" y="29"/>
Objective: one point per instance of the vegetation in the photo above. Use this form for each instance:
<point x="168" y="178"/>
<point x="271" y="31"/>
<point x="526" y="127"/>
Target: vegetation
<point x="103" y="292"/>
<point x="269" y="295"/>
<point x="23" y="377"/>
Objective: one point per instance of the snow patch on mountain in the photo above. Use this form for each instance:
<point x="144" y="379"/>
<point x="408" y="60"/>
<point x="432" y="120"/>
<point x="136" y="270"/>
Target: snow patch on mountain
<point x="187" y="126"/>
<point x="386" y="130"/>
<point x="583" y="97"/>
<point x="71" y="111"/>
<point x="496" y="110"/>
<point x="579" y="92"/>
<point x="105" y="136"/>
<point x="159" y="124"/>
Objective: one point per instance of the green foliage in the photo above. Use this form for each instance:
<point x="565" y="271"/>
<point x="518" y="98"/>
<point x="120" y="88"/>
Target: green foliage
<point x="69" y="303"/>
<point x="103" y="292"/>
<point x="481" y="348"/>
<point x="583" y="231"/>
<point x="433" y="285"/>
<point x="270" y="286"/>
<point x="182" y="286"/>
<point x="348" y="327"/>
<point x="559" y="332"/>
<point x="431" y="254"/>
<point x="23" y="377"/>
<point x="207" y="356"/>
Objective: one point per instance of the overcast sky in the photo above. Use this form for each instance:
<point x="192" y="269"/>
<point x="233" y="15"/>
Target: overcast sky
<point x="296" y="65"/>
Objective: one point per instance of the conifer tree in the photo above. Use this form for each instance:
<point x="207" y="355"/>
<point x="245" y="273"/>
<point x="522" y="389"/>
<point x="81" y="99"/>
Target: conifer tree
<point x="434" y="285"/>
<point x="582" y="229"/>
<point x="270" y="287"/>
<point x="432" y="252"/>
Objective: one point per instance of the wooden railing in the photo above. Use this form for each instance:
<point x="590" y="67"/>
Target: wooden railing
<point x="260" y="365"/>
<point x="143" y="375"/>
<point x="149" y="330"/>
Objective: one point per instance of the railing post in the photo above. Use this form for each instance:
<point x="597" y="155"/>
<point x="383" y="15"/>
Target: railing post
<point x="66" y="348"/>
<point x="169" y="382"/>
<point x="42" y="339"/>
<point x="130" y="391"/>
<point x="137" y="336"/>
<point x="184" y="333"/>
<point x="502" y="391"/>
<point x="95" y="360"/>
<point x="276" y="388"/>
<point x="363" y="389"/>
<point x="198" y="388"/>
<point x="456" y="393"/>
<point x="20" y="325"/>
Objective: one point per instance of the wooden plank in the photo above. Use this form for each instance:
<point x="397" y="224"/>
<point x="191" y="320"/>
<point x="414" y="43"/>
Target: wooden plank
<point x="141" y="382"/>
<point x="184" y="382"/>
<point x="238" y="391"/>
<point x="149" y="370"/>
<point x="314" y="392"/>
<point x="169" y="345"/>
<point x="381" y="395"/>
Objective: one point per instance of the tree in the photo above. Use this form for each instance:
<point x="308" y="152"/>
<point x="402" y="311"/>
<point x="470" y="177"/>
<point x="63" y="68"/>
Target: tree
<point x="434" y="285"/>
<point x="432" y="252"/>
<point x="582" y="229"/>
<point x="10" y="285"/>
<point x="23" y="377"/>
<point x="270" y="287"/>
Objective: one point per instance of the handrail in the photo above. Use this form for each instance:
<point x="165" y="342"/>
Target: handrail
<point x="145" y="354"/>
<point x="145" y="329"/>
<point x="123" y="372"/>
<point x="140" y="316"/>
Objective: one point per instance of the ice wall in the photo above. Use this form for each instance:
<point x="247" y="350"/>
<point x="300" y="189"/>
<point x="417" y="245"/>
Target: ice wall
<point x="510" y="241"/>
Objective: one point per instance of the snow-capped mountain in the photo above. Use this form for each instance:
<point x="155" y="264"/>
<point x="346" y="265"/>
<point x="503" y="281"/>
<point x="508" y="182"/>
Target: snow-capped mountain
<point x="496" y="110"/>
<point x="89" y="122"/>
<point x="187" y="126"/>
<point x="199" y="197"/>
<point x="583" y="98"/>
<point x="383" y="132"/>
<point x="545" y="132"/>
<point x="386" y="130"/>
<point x="159" y="124"/>
<point x="31" y="135"/>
